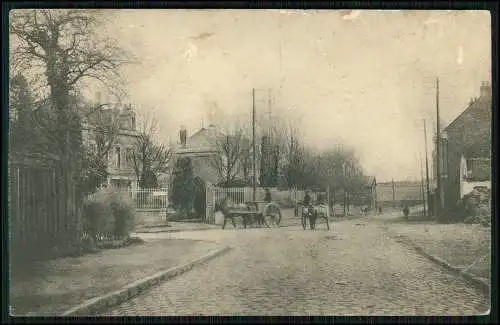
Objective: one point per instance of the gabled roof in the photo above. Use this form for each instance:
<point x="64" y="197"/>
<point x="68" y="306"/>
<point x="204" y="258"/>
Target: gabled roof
<point x="206" y="138"/>
<point x="202" y="138"/>
<point x="477" y="106"/>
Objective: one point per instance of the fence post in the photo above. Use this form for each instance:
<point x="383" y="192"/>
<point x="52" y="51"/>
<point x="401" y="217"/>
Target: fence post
<point x="328" y="201"/>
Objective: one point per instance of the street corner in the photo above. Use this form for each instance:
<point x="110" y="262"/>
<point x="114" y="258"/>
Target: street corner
<point x="131" y="290"/>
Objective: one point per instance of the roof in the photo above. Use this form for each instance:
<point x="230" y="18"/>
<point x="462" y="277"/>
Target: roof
<point x="203" y="141"/>
<point x="478" y="105"/>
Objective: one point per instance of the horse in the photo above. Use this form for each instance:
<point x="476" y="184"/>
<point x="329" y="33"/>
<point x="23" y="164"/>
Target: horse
<point x="230" y="211"/>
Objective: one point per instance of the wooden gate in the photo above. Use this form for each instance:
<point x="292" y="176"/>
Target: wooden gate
<point x="34" y="212"/>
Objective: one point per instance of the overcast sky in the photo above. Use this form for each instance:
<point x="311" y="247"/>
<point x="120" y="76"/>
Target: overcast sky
<point x="367" y="78"/>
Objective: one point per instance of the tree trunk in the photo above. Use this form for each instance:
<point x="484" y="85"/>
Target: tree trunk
<point x="345" y="202"/>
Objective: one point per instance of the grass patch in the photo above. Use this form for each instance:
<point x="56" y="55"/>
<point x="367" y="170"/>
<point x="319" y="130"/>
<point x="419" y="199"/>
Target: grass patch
<point x="52" y="287"/>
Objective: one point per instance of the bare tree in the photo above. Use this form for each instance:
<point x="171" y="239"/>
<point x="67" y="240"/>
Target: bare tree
<point x="245" y="160"/>
<point x="230" y="149"/>
<point x="103" y="127"/>
<point x="149" y="157"/>
<point x="339" y="168"/>
<point x="295" y="158"/>
<point x="278" y="137"/>
<point x="62" y="48"/>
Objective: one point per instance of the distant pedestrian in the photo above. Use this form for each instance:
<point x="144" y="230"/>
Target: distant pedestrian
<point x="380" y="210"/>
<point x="406" y="210"/>
<point x="307" y="199"/>
<point x="267" y="196"/>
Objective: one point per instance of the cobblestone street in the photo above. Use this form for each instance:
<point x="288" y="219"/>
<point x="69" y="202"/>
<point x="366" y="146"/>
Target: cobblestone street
<point x="352" y="270"/>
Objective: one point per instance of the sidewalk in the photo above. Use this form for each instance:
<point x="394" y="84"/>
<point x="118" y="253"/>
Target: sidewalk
<point x="173" y="226"/>
<point x="463" y="246"/>
<point x="52" y="287"/>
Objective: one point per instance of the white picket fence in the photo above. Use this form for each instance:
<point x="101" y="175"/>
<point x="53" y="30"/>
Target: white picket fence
<point x="239" y="195"/>
<point x="151" y="198"/>
<point x="245" y="194"/>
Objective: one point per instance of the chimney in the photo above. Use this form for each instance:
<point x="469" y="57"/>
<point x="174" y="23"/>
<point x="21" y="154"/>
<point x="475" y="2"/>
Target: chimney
<point x="212" y="132"/>
<point x="183" y="135"/>
<point x="485" y="90"/>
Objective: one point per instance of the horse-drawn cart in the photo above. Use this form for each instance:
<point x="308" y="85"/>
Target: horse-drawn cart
<point x="312" y="213"/>
<point x="252" y="213"/>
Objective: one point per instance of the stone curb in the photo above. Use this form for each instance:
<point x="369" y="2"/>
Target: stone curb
<point x="172" y="230"/>
<point x="477" y="282"/>
<point x="95" y="305"/>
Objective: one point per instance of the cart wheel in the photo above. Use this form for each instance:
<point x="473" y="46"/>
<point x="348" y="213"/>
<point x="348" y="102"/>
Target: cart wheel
<point x="273" y="210"/>
<point x="304" y="221"/>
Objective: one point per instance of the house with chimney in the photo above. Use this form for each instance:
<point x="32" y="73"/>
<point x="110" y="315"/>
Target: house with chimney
<point x="202" y="147"/>
<point x="465" y="149"/>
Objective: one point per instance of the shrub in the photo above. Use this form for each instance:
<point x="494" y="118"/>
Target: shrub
<point x="97" y="215"/>
<point x="182" y="193"/>
<point x="123" y="213"/>
<point x="472" y="208"/>
<point x="199" y="203"/>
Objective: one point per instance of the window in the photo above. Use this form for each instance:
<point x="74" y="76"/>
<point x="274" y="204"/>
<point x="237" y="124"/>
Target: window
<point x="118" y="157"/>
<point x="128" y="157"/>
<point x="93" y="147"/>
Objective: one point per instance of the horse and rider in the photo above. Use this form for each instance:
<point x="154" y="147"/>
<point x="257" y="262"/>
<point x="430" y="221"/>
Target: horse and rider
<point x="310" y="210"/>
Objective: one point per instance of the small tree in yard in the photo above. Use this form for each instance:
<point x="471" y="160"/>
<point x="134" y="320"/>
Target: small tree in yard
<point x="105" y="129"/>
<point x="149" y="158"/>
<point x="227" y="162"/>
<point x="200" y="197"/>
<point x="183" y="186"/>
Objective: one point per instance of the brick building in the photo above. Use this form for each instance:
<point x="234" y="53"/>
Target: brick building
<point x="466" y="149"/>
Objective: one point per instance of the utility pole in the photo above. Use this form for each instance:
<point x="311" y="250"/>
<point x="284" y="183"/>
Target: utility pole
<point x="439" y="195"/>
<point x="422" y="185"/>
<point x="427" y="172"/>
<point x="269" y="107"/>
<point x="254" y="183"/>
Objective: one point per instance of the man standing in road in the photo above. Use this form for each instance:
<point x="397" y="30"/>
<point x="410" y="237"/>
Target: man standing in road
<point x="307" y="199"/>
<point x="267" y="196"/>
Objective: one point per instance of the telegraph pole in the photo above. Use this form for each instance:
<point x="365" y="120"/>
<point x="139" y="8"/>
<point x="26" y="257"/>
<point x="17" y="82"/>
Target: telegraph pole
<point x="269" y="107"/>
<point x="422" y="184"/>
<point x="254" y="183"/>
<point x="427" y="172"/>
<point x="439" y="195"/>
